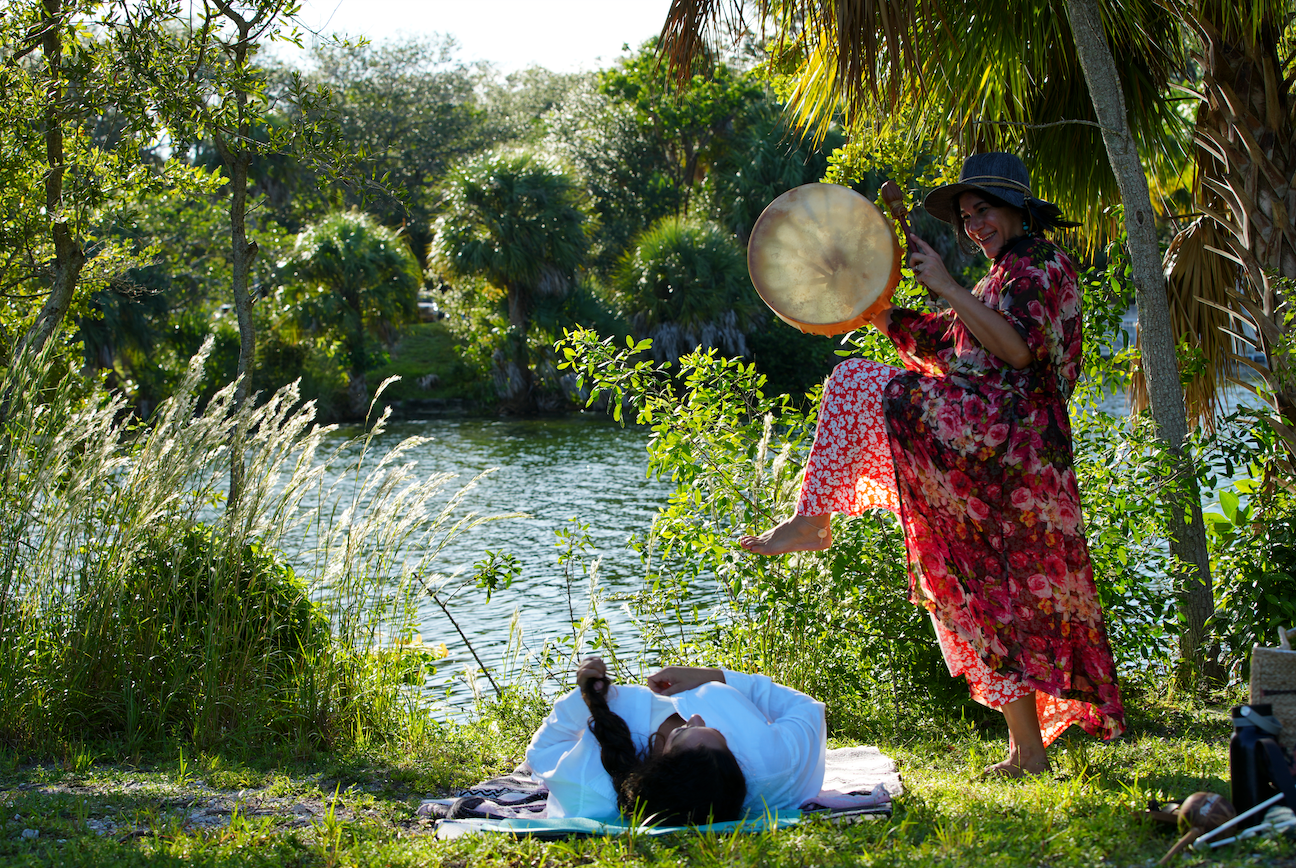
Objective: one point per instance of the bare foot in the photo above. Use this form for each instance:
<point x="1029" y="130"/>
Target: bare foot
<point x="800" y="533"/>
<point x="1026" y="752"/>
<point x="1011" y="768"/>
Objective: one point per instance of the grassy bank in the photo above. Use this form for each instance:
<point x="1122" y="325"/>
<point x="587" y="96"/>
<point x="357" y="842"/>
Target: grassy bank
<point x="429" y="362"/>
<point x="96" y="807"/>
<point x="175" y="691"/>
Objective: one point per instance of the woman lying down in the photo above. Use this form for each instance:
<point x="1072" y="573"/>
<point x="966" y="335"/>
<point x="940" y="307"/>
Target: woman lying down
<point x="694" y="746"/>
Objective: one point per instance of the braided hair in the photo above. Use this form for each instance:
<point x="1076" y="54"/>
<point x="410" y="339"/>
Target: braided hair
<point x="689" y="787"/>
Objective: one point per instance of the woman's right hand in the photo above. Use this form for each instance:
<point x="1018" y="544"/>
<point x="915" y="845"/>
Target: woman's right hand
<point x="929" y="269"/>
<point x="592" y="670"/>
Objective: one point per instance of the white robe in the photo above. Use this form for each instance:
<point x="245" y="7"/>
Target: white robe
<point x="777" y="734"/>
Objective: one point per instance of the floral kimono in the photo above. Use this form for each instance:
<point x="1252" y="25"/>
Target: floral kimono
<point x="975" y="457"/>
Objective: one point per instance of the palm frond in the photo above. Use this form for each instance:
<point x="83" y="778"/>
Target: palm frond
<point x="691" y="34"/>
<point x="961" y="79"/>
<point x="1199" y="281"/>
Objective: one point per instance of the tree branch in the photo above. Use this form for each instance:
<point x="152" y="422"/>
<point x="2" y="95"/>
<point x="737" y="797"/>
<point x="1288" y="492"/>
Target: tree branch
<point x="1027" y="126"/>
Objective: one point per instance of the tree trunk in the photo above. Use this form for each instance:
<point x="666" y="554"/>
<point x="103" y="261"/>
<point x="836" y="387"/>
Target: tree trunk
<point x="237" y="158"/>
<point x="1160" y="366"/>
<point x="69" y="255"/>
<point x="242" y="253"/>
<point x="519" y="309"/>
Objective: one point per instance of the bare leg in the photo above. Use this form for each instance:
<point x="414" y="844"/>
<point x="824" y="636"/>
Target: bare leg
<point x="800" y="533"/>
<point x="1026" y="752"/>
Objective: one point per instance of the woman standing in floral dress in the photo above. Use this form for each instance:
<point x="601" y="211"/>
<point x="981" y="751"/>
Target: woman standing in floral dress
<point x="970" y="444"/>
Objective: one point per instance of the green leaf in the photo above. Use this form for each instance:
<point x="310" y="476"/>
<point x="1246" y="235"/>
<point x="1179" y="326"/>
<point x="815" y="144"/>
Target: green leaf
<point x="1229" y="503"/>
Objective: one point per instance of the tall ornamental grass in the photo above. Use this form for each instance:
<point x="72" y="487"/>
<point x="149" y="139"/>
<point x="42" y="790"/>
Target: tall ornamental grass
<point x="136" y="602"/>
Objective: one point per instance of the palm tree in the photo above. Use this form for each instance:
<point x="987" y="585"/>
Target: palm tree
<point x="350" y="278"/>
<point x="1245" y="163"/>
<point x="685" y="285"/>
<point x="1007" y="79"/>
<point x="515" y="220"/>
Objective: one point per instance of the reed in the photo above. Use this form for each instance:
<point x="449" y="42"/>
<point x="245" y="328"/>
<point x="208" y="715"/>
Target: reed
<point x="136" y="603"/>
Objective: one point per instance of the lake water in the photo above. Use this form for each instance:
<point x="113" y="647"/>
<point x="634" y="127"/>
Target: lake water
<point x="583" y="467"/>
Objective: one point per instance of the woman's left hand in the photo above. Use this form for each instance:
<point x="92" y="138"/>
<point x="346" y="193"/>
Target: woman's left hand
<point x="677" y="679"/>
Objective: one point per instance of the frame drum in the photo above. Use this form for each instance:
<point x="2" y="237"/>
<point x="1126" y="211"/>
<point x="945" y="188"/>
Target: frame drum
<point x="824" y="258"/>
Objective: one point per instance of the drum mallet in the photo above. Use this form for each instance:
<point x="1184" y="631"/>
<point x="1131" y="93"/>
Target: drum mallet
<point x="1204" y="841"/>
<point x="893" y="196"/>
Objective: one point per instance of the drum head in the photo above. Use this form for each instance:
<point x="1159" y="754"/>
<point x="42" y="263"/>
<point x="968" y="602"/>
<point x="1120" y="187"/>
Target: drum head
<point x="824" y="258"/>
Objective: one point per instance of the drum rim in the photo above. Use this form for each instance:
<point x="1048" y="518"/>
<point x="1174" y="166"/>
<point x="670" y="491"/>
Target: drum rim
<point x="835" y="328"/>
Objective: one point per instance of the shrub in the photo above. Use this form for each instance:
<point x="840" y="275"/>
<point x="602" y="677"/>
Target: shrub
<point x="1252" y="536"/>
<point x="685" y="285"/>
<point x="835" y="624"/>
<point x="135" y="602"/>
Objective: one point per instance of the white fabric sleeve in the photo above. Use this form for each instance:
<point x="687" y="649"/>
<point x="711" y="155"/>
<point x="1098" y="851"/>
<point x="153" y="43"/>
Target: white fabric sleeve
<point x="774" y="700"/>
<point x="569" y="764"/>
<point x="793" y="749"/>
<point x="565" y="723"/>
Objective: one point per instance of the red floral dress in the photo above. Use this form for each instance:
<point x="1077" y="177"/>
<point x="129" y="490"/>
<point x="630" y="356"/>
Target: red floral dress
<point x="981" y="472"/>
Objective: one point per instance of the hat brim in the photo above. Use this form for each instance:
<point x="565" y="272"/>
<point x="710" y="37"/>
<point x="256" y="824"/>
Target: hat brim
<point x="941" y="202"/>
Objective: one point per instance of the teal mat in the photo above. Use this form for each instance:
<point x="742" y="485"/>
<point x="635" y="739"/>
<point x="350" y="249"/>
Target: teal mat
<point x="572" y="826"/>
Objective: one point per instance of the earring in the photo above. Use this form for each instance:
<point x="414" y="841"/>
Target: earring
<point x="1025" y="226"/>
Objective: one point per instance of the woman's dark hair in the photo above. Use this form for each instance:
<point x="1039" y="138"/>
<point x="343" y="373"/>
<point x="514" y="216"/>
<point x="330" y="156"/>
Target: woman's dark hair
<point x="1040" y="217"/>
<point x="691" y="787"/>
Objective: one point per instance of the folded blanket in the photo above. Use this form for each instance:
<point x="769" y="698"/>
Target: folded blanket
<point x="858" y="781"/>
<point x="856" y="777"/>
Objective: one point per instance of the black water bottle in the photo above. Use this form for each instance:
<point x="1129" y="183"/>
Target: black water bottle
<point x="1248" y="767"/>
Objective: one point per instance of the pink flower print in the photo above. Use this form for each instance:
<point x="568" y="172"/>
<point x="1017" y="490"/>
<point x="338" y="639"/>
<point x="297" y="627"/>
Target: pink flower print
<point x="1091" y="658"/>
<point x="1068" y="300"/>
<point x="977" y="509"/>
<point x="996" y="434"/>
<point x="933" y="564"/>
<point x="1070" y="486"/>
<point x="1068" y="516"/>
<point x="949" y="421"/>
<point x="1055" y="567"/>
<point x="1048" y="482"/>
<point x="1022" y="447"/>
<point x="960" y="484"/>
<point x="1021" y="498"/>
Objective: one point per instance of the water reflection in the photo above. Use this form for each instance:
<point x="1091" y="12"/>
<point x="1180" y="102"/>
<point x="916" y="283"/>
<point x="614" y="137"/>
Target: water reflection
<point x="554" y="469"/>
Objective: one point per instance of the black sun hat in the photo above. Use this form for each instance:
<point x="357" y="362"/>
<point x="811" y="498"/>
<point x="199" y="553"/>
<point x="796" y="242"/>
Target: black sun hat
<point x="1000" y="177"/>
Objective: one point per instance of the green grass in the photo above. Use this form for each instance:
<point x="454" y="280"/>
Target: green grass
<point x="359" y="808"/>
<point x="427" y="348"/>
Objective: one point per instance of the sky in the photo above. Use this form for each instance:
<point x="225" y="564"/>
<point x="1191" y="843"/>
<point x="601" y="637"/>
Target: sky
<point x="561" y="35"/>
